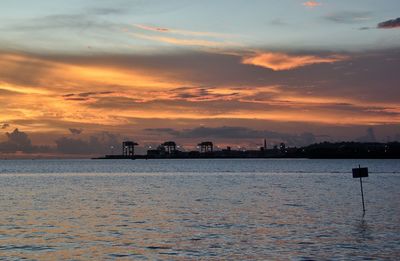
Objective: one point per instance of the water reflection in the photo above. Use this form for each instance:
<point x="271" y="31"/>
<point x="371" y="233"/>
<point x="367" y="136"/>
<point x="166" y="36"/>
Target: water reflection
<point x="195" y="216"/>
<point x="363" y="232"/>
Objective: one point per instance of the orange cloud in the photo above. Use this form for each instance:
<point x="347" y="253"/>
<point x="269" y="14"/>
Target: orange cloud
<point x="311" y="4"/>
<point x="37" y="89"/>
<point x="282" y="61"/>
<point x="41" y="94"/>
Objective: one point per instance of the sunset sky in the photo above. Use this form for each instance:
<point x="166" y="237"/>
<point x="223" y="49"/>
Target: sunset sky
<point x="80" y="76"/>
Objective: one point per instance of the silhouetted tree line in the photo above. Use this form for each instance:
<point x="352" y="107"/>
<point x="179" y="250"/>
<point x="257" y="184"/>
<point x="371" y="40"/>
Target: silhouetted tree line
<point x="351" y="150"/>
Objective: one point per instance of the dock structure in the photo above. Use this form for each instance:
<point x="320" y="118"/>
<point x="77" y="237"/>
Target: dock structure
<point x="170" y="147"/>
<point x="206" y="147"/>
<point x="128" y="149"/>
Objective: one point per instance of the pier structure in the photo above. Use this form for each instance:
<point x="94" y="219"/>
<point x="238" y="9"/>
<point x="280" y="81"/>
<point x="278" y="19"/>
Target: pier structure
<point x="206" y="147"/>
<point x="170" y="147"/>
<point x="128" y="149"/>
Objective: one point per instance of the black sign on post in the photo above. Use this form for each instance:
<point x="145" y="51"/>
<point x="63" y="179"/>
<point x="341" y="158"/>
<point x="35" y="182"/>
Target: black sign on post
<point x="361" y="173"/>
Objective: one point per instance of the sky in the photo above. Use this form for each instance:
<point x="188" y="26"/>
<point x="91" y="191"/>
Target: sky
<point x="77" y="77"/>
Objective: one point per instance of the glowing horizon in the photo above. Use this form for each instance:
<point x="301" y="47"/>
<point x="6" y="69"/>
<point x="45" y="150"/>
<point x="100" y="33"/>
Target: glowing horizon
<point x="105" y="67"/>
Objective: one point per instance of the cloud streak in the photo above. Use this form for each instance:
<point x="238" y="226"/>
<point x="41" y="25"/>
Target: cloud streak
<point x="181" y="41"/>
<point x="283" y="61"/>
<point x="178" y="31"/>
<point x="348" y="17"/>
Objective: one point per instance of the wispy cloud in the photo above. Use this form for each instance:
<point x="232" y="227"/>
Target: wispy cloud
<point x="178" y="31"/>
<point x="181" y="41"/>
<point x="152" y="28"/>
<point x="348" y="17"/>
<point x="282" y="61"/>
<point x="312" y="4"/>
<point x="180" y="37"/>
<point x="390" y="24"/>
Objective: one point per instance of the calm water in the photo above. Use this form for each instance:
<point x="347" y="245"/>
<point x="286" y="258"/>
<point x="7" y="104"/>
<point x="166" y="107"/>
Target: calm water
<point x="198" y="209"/>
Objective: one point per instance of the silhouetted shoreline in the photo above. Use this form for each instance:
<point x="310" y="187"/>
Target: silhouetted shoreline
<point x="324" y="150"/>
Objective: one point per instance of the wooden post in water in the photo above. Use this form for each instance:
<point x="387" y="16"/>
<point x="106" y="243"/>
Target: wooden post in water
<point x="361" y="173"/>
<point x="362" y="194"/>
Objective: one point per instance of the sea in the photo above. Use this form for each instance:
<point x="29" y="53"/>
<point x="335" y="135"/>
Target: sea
<point x="200" y="209"/>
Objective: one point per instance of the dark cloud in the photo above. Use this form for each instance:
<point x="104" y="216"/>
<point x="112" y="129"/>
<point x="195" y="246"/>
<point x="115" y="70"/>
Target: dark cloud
<point x="390" y="24"/>
<point x="84" y="96"/>
<point x="348" y="17"/>
<point x="77" y="146"/>
<point x="4" y="126"/>
<point x="98" y="144"/>
<point x="234" y="133"/>
<point x="168" y="131"/>
<point x="75" y="131"/>
<point x="89" y="94"/>
<point x="18" y="141"/>
<point x="76" y="99"/>
<point x="200" y="94"/>
<point x="93" y="145"/>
